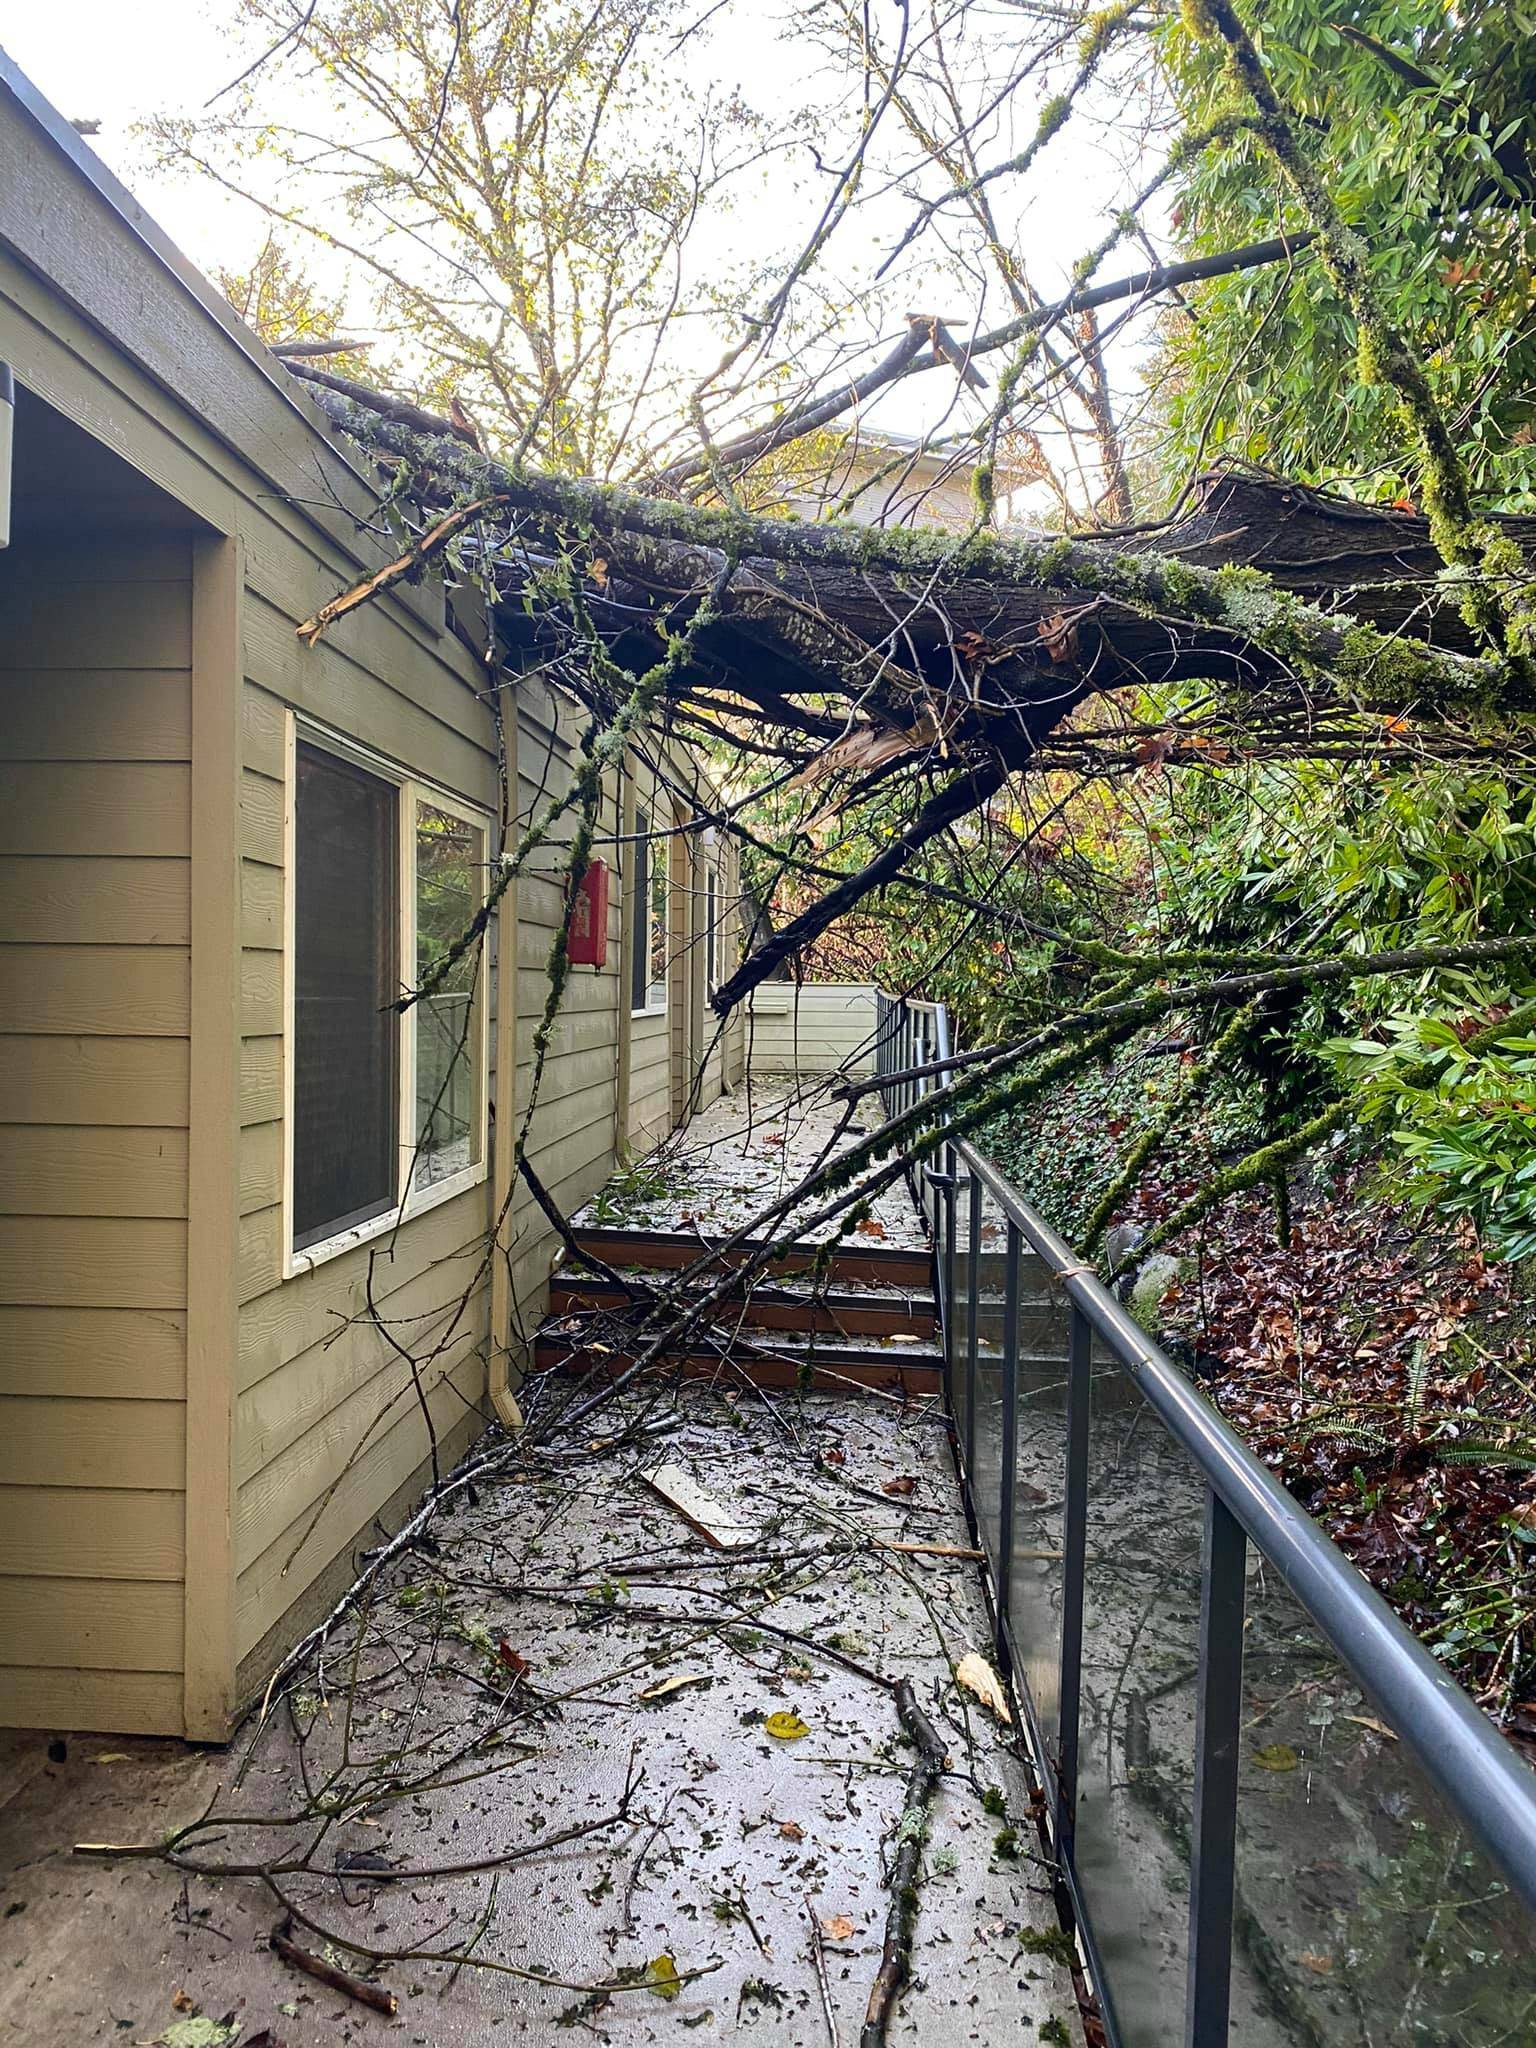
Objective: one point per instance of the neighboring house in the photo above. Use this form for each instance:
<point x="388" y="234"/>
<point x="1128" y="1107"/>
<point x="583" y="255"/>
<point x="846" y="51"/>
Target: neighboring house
<point x="886" y="479"/>
<point x="223" y="852"/>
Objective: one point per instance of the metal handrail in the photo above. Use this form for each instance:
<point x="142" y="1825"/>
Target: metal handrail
<point x="1468" y="1763"/>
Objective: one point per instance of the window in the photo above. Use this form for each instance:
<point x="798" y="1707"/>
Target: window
<point x="450" y="887"/>
<point x="386" y="1108"/>
<point x="345" y="972"/>
<point x="711" y="929"/>
<point x="648" y="955"/>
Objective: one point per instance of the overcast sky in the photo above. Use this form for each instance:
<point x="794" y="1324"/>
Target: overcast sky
<point x="116" y="64"/>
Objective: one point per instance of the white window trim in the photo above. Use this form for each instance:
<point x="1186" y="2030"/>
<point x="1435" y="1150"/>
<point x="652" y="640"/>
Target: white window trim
<point x="409" y="1202"/>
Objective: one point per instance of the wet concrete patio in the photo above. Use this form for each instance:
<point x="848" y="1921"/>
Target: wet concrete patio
<point x="571" y="1769"/>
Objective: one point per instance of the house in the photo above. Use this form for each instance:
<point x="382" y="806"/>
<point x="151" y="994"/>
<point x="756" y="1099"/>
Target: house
<point x="882" y="478"/>
<point x="236" y="1185"/>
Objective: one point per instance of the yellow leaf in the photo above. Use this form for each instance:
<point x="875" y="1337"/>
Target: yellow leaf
<point x="664" y="1686"/>
<point x="977" y="1676"/>
<point x="661" y="1976"/>
<point x="1276" y="1756"/>
<point x="786" y="1727"/>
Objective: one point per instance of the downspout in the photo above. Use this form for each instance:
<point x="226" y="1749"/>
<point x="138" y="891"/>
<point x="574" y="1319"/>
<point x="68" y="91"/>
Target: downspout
<point x="503" y="1191"/>
<point x="7" y="443"/>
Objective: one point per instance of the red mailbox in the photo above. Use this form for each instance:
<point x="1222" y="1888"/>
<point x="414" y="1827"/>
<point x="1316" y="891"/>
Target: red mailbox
<point x="588" y="935"/>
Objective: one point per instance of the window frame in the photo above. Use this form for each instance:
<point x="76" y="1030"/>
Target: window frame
<point x="641" y="897"/>
<point x="411" y="790"/>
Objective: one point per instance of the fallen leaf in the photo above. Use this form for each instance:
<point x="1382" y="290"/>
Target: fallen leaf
<point x="508" y="1658"/>
<point x="1376" y="1727"/>
<point x="792" y="1831"/>
<point x="661" y="1976"/>
<point x="201" y="2032"/>
<point x="1058" y="636"/>
<point x="903" y="1484"/>
<point x="666" y="1686"/>
<point x="1321" y="1964"/>
<point x="785" y="1726"/>
<point x="181" y="2001"/>
<point x="113" y="1756"/>
<point x="867" y="1226"/>
<point x="977" y="1676"/>
<point x="1276" y="1756"/>
<point x="837" y="1927"/>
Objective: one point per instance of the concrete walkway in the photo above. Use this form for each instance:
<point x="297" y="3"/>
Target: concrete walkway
<point x="561" y="1636"/>
<point x="743" y="1153"/>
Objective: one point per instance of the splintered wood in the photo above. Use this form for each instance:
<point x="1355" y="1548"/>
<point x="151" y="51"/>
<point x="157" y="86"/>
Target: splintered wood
<point x="683" y="1494"/>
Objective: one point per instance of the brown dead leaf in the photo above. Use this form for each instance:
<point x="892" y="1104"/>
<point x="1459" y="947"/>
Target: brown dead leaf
<point x="792" y="1831"/>
<point x="837" y="1927"/>
<point x="1154" y="750"/>
<point x="182" y="2001"/>
<point x="1058" y="637"/>
<point x="1319" y="1964"/>
<point x="509" y="1660"/>
<point x="903" y="1484"/>
<point x="867" y="1226"/>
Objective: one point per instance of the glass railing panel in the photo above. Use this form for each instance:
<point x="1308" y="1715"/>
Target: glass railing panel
<point x="1040" y="1450"/>
<point x="1364" y="1911"/>
<point x="1141" y="1637"/>
<point x="987" y="1460"/>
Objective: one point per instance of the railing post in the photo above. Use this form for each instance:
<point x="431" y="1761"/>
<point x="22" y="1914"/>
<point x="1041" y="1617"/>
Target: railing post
<point x="1218" y="1721"/>
<point x="1003" y="1562"/>
<point x="973" y="1342"/>
<point x="1074" y="1567"/>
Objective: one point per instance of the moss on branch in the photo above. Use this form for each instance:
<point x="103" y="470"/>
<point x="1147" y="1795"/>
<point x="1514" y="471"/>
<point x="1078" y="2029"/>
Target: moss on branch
<point x="1350" y="661"/>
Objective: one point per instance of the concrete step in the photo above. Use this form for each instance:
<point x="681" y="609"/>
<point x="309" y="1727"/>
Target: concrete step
<point x="667" y="1250"/>
<point x="811" y="1363"/>
<point x="780" y="1305"/>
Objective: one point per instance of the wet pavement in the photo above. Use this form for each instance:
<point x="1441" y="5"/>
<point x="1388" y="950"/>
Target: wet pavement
<point x="744" y="1152"/>
<point x="663" y="1762"/>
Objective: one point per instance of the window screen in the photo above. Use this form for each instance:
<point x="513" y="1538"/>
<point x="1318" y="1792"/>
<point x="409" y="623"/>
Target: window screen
<point x="640" y="941"/>
<point x="712" y="928"/>
<point x="450" y="882"/>
<point x="346" y="973"/>
<point x="656" y="993"/>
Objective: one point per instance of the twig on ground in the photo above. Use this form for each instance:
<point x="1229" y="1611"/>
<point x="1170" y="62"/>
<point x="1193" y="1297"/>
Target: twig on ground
<point x="818" y="1957"/>
<point x="911" y="1833"/>
<point x="328" y="1974"/>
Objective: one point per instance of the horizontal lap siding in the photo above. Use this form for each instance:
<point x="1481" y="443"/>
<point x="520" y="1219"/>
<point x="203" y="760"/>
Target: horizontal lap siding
<point x="573" y="1127"/>
<point x="95" y="652"/>
<point x="812" y="1029"/>
<point x="326" y="1425"/>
